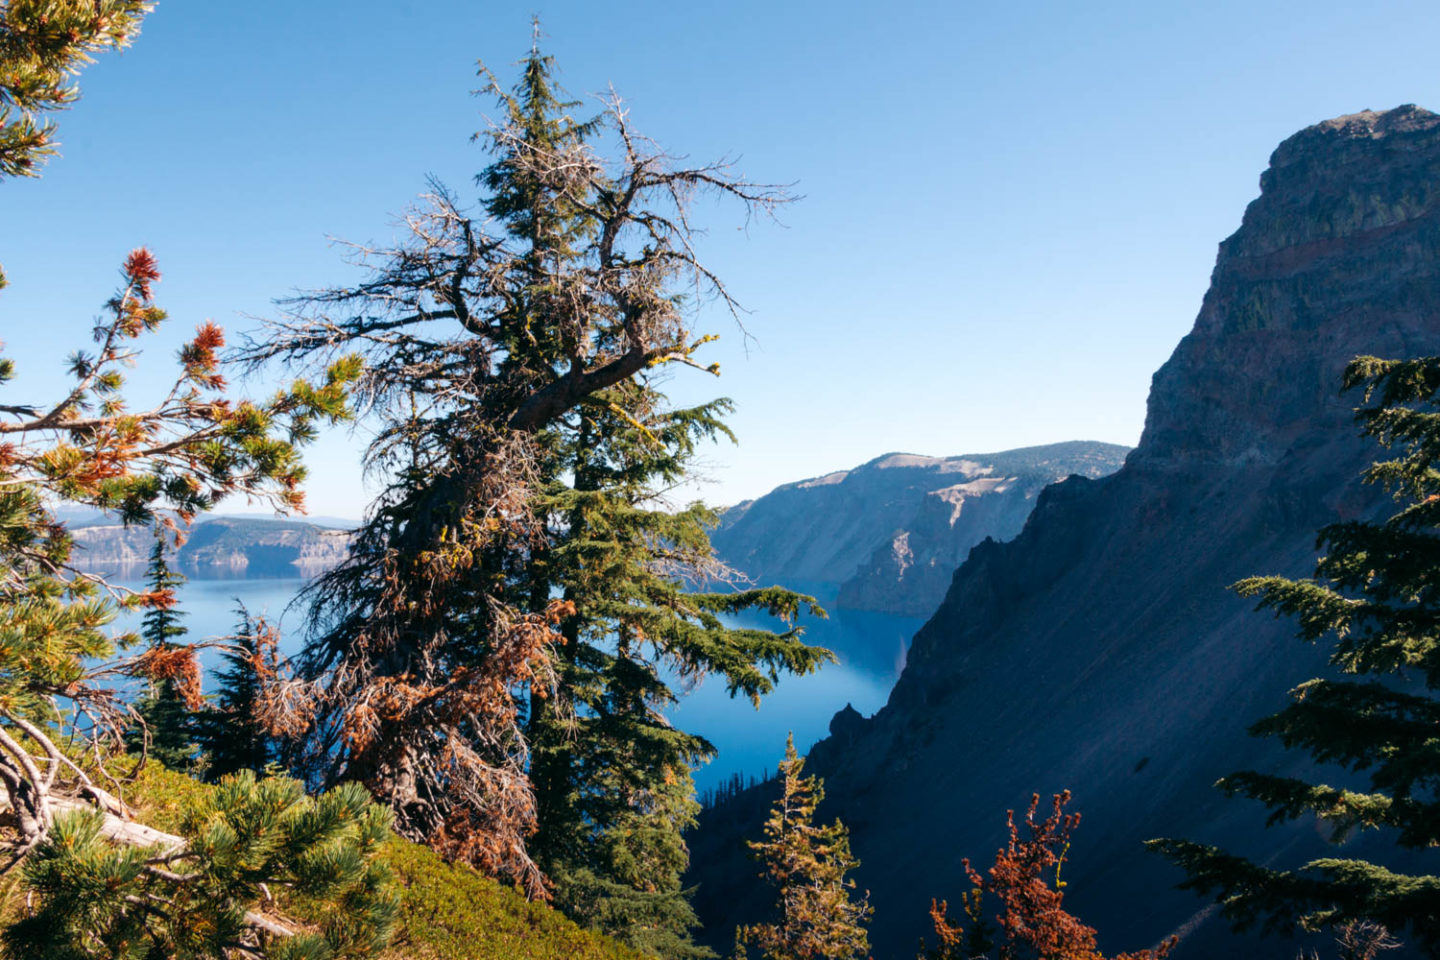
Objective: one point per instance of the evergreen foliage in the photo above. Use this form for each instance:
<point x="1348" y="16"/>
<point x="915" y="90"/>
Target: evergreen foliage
<point x="612" y="776"/>
<point x="233" y="733"/>
<point x="43" y="44"/>
<point x="806" y="864"/>
<point x="167" y="726"/>
<point x="203" y="893"/>
<point x="447" y="911"/>
<point x="493" y="656"/>
<point x="1374" y="593"/>
<point x="195" y="447"/>
<point x="101" y="884"/>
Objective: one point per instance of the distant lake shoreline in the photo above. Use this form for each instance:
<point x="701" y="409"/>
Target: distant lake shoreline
<point x="871" y="648"/>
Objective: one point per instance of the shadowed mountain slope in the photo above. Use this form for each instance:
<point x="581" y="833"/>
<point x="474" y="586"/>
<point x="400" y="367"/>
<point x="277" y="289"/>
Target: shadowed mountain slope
<point x="1100" y="650"/>
<point x="892" y="531"/>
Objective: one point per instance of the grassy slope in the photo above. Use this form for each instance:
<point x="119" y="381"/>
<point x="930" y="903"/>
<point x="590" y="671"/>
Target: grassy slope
<point x="448" y="912"/>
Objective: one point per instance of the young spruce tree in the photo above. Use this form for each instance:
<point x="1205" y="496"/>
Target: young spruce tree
<point x="1375" y="593"/>
<point x="817" y="919"/>
<point x="167" y="728"/>
<point x="232" y="733"/>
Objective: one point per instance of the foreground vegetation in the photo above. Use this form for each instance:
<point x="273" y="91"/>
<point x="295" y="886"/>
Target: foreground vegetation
<point x="488" y="671"/>
<point x="1374" y="594"/>
<point x="443" y="910"/>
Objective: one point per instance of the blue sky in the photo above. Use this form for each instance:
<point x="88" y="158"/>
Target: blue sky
<point x="1010" y="210"/>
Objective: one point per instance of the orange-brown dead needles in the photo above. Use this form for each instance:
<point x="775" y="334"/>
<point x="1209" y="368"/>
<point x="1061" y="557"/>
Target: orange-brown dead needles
<point x="1025" y="878"/>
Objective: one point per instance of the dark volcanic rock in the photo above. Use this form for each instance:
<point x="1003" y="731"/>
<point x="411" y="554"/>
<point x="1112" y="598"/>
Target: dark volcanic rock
<point x="1100" y="650"/>
<point x="892" y="531"/>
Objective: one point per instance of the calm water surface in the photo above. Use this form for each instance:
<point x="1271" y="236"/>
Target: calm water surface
<point x="870" y="646"/>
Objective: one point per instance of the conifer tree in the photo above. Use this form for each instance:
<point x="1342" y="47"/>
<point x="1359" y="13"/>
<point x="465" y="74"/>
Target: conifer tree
<point x="817" y="919"/>
<point x="43" y="44"/>
<point x="192" y="449"/>
<point x="1374" y="596"/>
<point x="233" y="732"/>
<point x="612" y="776"/>
<point x="167" y="725"/>
<point x="187" y="452"/>
<point x="101" y="884"/>
<point x="514" y="374"/>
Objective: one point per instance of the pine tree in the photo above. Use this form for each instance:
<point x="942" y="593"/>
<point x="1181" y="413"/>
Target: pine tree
<point x="807" y="866"/>
<point x="57" y="661"/>
<point x="1374" y="593"/>
<point x="233" y="734"/>
<point x="43" y="43"/>
<point x="474" y="668"/>
<point x="204" y="893"/>
<point x="186" y="453"/>
<point x="167" y="727"/>
<point x="102" y="885"/>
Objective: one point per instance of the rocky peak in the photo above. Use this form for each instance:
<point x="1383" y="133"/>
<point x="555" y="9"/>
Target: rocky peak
<point x="1330" y="261"/>
<point x="1100" y="650"/>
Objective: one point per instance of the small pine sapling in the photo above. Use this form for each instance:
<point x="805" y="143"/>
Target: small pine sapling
<point x="807" y="864"/>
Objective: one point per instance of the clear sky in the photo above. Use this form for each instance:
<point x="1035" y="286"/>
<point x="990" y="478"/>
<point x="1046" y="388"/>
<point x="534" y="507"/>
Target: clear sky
<point x="1010" y="209"/>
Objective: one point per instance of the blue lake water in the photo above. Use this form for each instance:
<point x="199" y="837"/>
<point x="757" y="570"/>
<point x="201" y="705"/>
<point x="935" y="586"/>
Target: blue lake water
<point x="870" y="646"/>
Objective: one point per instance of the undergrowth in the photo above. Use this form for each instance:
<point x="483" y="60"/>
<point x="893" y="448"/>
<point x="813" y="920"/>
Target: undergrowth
<point x="447" y="911"/>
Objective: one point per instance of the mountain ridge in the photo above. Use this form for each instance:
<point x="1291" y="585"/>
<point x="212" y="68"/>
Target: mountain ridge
<point x="217" y="546"/>
<point x="890" y="531"/>
<point x="1100" y="650"/>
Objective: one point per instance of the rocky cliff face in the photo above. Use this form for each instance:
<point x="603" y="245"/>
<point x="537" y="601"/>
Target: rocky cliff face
<point x="891" y="532"/>
<point x="222" y="546"/>
<point x="1100" y="650"/>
